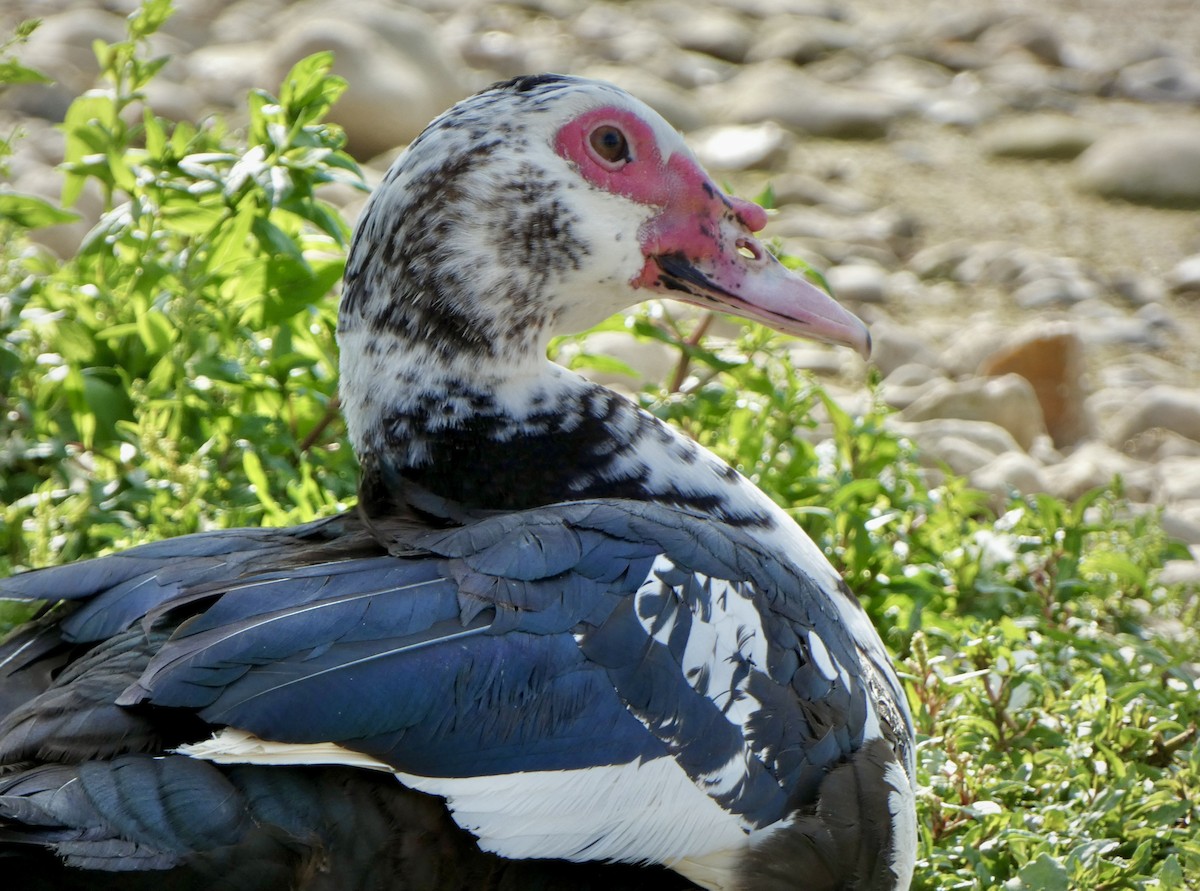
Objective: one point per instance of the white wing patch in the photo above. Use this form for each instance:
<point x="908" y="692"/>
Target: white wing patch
<point x="726" y="634"/>
<point x="641" y="812"/>
<point x="638" y="812"/>
<point x="232" y="746"/>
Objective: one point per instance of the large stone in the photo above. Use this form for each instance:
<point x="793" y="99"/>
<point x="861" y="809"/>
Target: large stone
<point x="1051" y="358"/>
<point x="616" y="355"/>
<point x="858" y="282"/>
<point x="986" y="439"/>
<point x="1172" y="408"/>
<point x="742" y="147"/>
<point x="1165" y="79"/>
<point x="801" y="40"/>
<point x="225" y="72"/>
<point x="1154" y="165"/>
<point x="1043" y="136"/>
<point x="1009" y="402"/>
<point x="976" y="338"/>
<point x="800" y="188"/>
<point x="1094" y="465"/>
<point x="1036" y="37"/>
<point x="1008" y="474"/>
<point x="962" y="456"/>
<point x="777" y="91"/>
<point x="1184" y="278"/>
<point x="716" y="32"/>
<point x="894" y="345"/>
<point x="1182" y="522"/>
<point x="1179" y="479"/>
<point x="1182" y="572"/>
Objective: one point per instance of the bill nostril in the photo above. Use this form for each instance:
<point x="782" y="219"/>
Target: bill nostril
<point x="749" y="249"/>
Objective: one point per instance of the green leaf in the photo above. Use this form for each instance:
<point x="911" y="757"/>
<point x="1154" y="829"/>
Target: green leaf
<point x="156" y="332"/>
<point x="149" y="18"/>
<point x="1170" y="874"/>
<point x="309" y="89"/>
<point x="31" y="212"/>
<point x="12" y="72"/>
<point x="154" y="134"/>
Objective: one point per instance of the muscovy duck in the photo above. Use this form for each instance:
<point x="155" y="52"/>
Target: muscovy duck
<point x="559" y="645"/>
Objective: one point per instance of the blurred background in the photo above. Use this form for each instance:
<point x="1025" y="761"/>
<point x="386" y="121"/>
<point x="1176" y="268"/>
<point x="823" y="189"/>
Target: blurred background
<point x="1007" y="190"/>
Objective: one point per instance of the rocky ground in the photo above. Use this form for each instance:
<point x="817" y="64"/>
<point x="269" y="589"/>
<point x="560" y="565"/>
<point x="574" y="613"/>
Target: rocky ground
<point x="1008" y="190"/>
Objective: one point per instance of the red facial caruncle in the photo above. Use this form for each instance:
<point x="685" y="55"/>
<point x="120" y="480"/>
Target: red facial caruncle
<point x="699" y="244"/>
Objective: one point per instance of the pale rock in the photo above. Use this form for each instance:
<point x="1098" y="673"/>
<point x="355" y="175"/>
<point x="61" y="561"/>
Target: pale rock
<point x="893" y="345"/>
<point x="974" y="339"/>
<point x="1157" y="445"/>
<point x="224" y="72"/>
<point x="713" y="31"/>
<point x="1044" y="293"/>
<point x="885" y="229"/>
<point x="966" y="112"/>
<point x="1157" y="318"/>
<point x="650" y="360"/>
<point x="778" y="91"/>
<point x="817" y="360"/>
<point x="899" y="397"/>
<point x="173" y="101"/>
<point x="962" y="24"/>
<point x="742" y="147"/>
<point x="1103" y="324"/>
<point x="913" y="374"/>
<point x="858" y="283"/>
<point x="250" y="20"/>
<point x="1051" y="358"/>
<point x="1172" y="408"/>
<point x="1181" y="572"/>
<point x="1038" y="38"/>
<point x="1000" y="263"/>
<point x="1152" y="165"/>
<point x="1184" y="277"/>
<point x="953" y="55"/>
<point x="1165" y="79"/>
<point x="1008" y="401"/>
<point x="503" y="52"/>
<point x="1182" y="522"/>
<point x="939" y="260"/>
<point x="1040" y="136"/>
<point x="1138" y="289"/>
<point x="192" y="22"/>
<point x="799" y="188"/>
<point x="1012" y="472"/>
<point x="1094" y="465"/>
<point x="1044" y="452"/>
<point x="800" y="40"/>
<point x="913" y="79"/>
<point x="984" y="436"/>
<point x="1138" y="370"/>
<point x="1179" y="479"/>
<point x="962" y="456"/>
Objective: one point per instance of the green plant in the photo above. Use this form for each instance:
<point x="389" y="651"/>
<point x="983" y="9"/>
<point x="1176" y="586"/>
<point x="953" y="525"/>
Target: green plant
<point x="193" y="322"/>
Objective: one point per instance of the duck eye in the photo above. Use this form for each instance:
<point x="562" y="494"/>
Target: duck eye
<point x="610" y="144"/>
